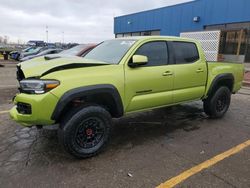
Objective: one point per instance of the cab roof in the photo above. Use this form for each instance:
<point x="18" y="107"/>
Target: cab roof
<point x="157" y="37"/>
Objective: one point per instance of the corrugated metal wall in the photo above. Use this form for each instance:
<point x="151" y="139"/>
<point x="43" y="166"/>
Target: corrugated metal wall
<point x="179" y="18"/>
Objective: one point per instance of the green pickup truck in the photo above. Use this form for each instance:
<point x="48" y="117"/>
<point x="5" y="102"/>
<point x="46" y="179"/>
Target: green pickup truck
<point x="118" y="77"/>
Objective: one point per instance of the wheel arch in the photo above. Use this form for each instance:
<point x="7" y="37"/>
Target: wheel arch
<point x="104" y="94"/>
<point x="226" y="79"/>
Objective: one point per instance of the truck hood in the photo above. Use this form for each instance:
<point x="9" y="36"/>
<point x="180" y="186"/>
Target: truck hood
<point x="39" y="66"/>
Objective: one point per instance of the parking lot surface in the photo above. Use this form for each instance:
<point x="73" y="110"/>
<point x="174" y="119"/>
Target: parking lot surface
<point x="145" y="149"/>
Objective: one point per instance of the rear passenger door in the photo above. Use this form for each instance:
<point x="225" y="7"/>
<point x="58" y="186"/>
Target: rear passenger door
<point x="190" y="72"/>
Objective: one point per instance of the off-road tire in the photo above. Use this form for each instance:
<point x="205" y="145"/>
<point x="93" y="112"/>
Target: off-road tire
<point x="218" y="103"/>
<point x="69" y="132"/>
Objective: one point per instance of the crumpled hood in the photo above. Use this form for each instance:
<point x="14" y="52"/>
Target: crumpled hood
<point x="39" y="66"/>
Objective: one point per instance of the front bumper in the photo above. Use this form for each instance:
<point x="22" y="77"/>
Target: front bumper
<point x="42" y="107"/>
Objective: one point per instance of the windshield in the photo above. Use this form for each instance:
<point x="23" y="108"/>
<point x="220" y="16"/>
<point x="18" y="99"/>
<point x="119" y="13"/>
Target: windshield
<point x="29" y="49"/>
<point x="75" y="50"/>
<point x="44" y="52"/>
<point x="36" y="50"/>
<point x="110" y="51"/>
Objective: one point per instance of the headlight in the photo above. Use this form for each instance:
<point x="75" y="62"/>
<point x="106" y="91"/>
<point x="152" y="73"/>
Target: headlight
<point x="37" y="86"/>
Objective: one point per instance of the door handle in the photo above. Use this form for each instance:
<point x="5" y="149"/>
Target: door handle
<point x="199" y="70"/>
<point x="167" y="73"/>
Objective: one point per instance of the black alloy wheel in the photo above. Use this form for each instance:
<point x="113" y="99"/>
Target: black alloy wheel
<point x="84" y="132"/>
<point x="90" y="132"/>
<point x="218" y="103"/>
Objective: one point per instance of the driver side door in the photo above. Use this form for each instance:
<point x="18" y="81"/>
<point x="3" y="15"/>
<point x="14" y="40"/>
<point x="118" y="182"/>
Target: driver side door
<point x="151" y="85"/>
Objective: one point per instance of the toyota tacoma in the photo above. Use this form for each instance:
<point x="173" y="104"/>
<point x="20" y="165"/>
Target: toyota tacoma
<point x="118" y="77"/>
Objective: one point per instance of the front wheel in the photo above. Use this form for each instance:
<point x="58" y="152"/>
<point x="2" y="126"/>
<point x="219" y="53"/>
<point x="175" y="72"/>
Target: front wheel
<point x="85" y="132"/>
<point x="217" y="105"/>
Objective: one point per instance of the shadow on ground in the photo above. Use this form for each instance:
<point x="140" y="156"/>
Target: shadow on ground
<point x="31" y="147"/>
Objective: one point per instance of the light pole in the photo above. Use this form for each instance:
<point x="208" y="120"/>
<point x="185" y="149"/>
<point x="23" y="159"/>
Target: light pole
<point x="63" y="37"/>
<point x="47" y="34"/>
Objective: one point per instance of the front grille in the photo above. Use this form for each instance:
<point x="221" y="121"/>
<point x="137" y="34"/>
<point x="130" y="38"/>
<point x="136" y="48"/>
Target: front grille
<point x="19" y="74"/>
<point x="23" y="108"/>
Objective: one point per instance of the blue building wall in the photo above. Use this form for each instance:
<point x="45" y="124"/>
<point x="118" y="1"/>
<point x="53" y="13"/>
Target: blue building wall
<point x="175" y="19"/>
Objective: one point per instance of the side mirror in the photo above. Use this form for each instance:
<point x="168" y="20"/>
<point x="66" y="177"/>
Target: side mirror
<point x="138" y="60"/>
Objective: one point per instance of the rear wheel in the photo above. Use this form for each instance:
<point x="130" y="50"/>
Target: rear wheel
<point x="217" y="105"/>
<point x="85" y="132"/>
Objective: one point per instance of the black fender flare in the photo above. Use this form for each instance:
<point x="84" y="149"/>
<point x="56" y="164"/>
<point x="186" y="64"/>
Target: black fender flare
<point x="219" y="78"/>
<point x="87" y="91"/>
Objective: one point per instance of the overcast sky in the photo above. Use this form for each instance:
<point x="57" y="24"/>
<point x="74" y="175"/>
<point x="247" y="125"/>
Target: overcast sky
<point x="81" y="21"/>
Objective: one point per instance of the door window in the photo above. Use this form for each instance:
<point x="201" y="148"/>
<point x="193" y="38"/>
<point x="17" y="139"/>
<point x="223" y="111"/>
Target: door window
<point x="185" y="52"/>
<point x="157" y="53"/>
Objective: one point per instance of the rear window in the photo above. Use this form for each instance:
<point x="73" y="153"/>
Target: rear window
<point x="185" y="52"/>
